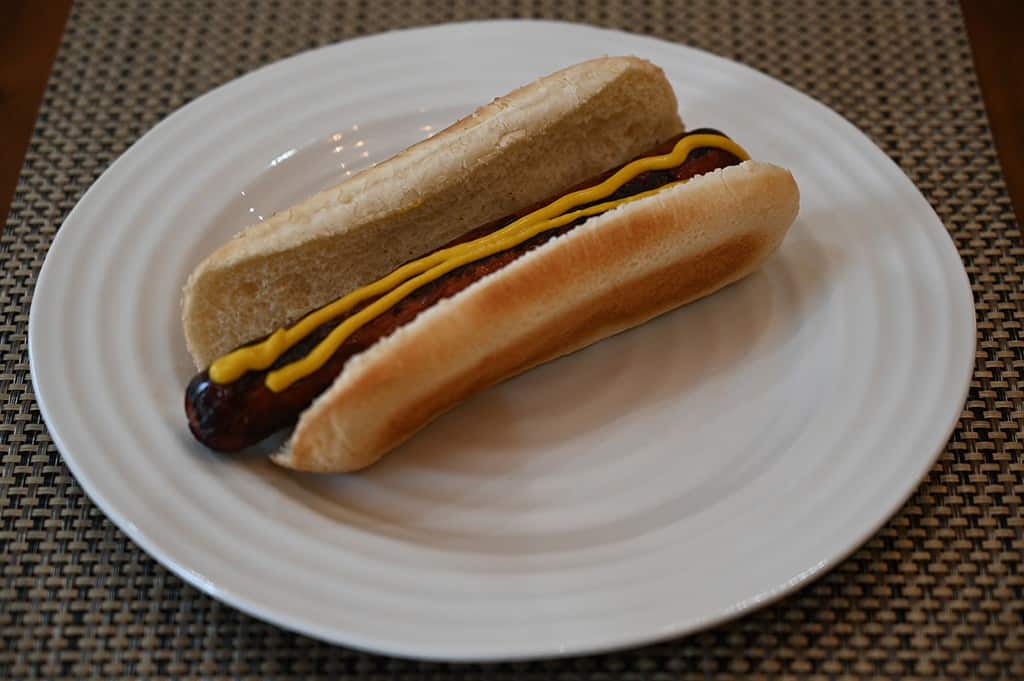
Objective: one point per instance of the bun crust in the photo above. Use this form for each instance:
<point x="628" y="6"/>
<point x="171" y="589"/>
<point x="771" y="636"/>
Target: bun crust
<point x="614" y="272"/>
<point x="555" y="132"/>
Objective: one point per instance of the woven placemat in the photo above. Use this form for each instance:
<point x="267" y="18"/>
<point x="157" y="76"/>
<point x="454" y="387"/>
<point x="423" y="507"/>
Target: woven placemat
<point x="938" y="593"/>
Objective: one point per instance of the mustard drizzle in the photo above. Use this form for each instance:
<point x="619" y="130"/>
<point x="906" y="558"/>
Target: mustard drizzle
<point x="413" y="275"/>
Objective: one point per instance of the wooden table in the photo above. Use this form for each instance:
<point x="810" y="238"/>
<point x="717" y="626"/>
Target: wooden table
<point x="30" y="32"/>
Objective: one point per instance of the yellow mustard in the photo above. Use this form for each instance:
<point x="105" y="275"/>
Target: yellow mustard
<point x="411" y="276"/>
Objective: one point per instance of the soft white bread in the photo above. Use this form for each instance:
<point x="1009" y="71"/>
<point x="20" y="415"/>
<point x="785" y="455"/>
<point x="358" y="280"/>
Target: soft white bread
<point x="614" y="272"/>
<point x="555" y="133"/>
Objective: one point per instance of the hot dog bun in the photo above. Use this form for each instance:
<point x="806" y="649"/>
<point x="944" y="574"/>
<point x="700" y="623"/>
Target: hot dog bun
<point x="616" y="271"/>
<point x="519" y="149"/>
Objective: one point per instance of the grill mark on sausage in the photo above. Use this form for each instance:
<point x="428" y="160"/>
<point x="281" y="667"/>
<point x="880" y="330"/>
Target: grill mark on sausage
<point x="229" y="417"/>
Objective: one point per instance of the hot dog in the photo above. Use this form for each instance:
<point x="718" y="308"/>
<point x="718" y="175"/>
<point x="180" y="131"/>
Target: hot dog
<point x="584" y="252"/>
<point x="231" y="416"/>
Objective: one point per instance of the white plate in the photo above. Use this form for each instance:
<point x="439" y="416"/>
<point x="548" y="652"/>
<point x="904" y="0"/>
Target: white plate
<point x="652" y="485"/>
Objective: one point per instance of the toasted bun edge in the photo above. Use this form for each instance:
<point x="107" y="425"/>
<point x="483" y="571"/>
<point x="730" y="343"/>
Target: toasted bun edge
<point x="614" y="272"/>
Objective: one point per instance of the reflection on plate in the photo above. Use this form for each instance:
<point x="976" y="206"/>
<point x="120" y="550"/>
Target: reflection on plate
<point x="652" y="485"/>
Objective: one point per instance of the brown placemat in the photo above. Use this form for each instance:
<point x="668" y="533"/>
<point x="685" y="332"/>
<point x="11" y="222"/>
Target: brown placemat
<point x="938" y="593"/>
